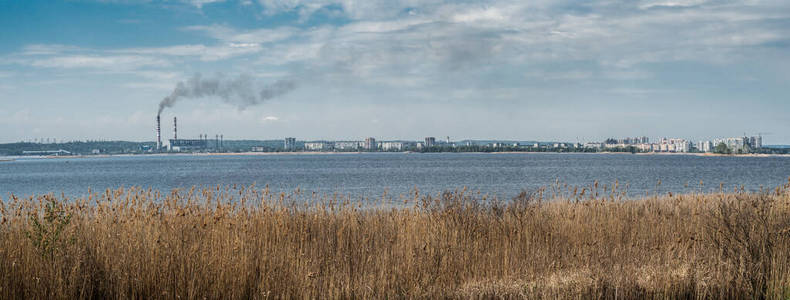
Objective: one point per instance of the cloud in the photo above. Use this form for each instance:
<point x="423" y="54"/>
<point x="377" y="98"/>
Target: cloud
<point x="43" y="49"/>
<point x="638" y="92"/>
<point x="404" y="37"/>
<point x="671" y="4"/>
<point x="116" y="62"/>
<point x="200" y="3"/>
<point x="417" y="44"/>
<point x="256" y="36"/>
<point x="159" y="75"/>
<point x="268" y="119"/>
<point x="163" y="87"/>
<point x="202" y="52"/>
<point x="563" y="75"/>
<point x="436" y="38"/>
<point x="480" y="15"/>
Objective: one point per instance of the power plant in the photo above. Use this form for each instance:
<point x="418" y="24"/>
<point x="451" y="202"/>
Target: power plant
<point x="180" y="145"/>
<point x="241" y="92"/>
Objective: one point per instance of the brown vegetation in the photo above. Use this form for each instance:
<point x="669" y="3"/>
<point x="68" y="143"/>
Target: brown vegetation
<point x="249" y="243"/>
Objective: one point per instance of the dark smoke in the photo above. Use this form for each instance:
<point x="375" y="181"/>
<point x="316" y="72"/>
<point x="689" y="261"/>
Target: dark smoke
<point x="242" y="91"/>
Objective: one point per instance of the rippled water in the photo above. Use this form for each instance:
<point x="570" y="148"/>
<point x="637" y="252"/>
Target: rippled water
<point x="371" y="174"/>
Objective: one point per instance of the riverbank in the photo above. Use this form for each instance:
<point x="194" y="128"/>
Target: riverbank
<point x="405" y="152"/>
<point x="240" y="243"/>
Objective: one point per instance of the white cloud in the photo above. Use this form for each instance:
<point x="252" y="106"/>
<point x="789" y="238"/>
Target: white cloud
<point x="204" y="53"/>
<point x="267" y="119"/>
<point x="637" y="92"/>
<point x="43" y="49"/>
<point x="200" y="3"/>
<point x="149" y="86"/>
<point x="257" y="36"/>
<point x="675" y="3"/>
<point x="627" y="74"/>
<point x="383" y="26"/>
<point x="178" y="50"/>
<point x="159" y="75"/>
<point x="434" y="37"/>
<point x="480" y="15"/>
<point x="452" y="36"/>
<point x="562" y="75"/>
<point x="419" y="43"/>
<point x="115" y="62"/>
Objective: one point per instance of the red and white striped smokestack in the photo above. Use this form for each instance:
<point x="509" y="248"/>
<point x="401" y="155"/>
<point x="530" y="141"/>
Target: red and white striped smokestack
<point x="175" y="129"/>
<point x="158" y="134"/>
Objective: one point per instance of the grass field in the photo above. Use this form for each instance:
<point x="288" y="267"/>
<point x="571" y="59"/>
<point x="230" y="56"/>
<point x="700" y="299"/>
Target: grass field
<point x="246" y="242"/>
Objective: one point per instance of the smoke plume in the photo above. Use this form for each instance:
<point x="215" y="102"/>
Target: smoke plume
<point x="242" y="91"/>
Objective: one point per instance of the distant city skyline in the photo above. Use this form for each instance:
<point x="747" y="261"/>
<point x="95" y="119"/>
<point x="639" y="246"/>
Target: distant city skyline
<point x="428" y="140"/>
<point x="395" y="70"/>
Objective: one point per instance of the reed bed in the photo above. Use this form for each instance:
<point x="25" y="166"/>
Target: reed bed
<point x="247" y="242"/>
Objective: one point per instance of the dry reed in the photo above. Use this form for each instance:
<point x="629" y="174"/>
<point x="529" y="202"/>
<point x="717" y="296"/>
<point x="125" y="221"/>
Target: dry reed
<point x="246" y="242"/>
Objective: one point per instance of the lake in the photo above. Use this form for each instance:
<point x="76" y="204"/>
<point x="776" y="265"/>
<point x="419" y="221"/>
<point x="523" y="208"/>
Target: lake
<point x="371" y="174"/>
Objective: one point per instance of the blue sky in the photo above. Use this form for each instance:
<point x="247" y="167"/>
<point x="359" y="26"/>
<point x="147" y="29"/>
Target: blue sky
<point x="530" y="70"/>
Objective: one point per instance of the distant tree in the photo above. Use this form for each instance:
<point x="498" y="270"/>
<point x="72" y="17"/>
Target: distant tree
<point x="610" y="141"/>
<point x="722" y="148"/>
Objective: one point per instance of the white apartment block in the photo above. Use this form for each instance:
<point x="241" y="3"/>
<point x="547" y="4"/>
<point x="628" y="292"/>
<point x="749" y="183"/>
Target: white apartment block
<point x="705" y="146"/>
<point x="587" y="145"/>
<point x="756" y="142"/>
<point x="673" y="145"/>
<point x="317" y="146"/>
<point x="736" y="144"/>
<point x="347" y="146"/>
<point x="645" y="147"/>
<point x="391" y="146"/>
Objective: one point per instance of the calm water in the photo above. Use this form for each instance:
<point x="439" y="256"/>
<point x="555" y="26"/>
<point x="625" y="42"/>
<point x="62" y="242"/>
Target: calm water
<point x="372" y="174"/>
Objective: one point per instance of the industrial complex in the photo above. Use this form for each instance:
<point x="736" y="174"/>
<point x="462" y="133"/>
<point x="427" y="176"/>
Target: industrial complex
<point x="203" y="143"/>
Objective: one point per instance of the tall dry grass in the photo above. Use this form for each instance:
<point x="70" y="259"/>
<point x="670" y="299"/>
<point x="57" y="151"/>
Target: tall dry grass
<point x="244" y="242"/>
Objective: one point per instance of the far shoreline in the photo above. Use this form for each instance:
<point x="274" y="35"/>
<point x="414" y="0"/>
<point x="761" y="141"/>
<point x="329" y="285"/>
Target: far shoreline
<point x="250" y="153"/>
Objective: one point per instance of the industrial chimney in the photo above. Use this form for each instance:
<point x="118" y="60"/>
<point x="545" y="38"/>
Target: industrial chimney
<point x="158" y="134"/>
<point x="175" y="129"/>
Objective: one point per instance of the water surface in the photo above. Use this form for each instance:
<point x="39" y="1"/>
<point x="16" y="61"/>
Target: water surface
<point x="371" y="174"/>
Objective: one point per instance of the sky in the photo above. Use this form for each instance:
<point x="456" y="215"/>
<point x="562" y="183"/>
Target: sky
<point x="395" y="69"/>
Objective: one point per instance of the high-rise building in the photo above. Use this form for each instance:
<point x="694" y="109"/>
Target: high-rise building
<point x="290" y="143"/>
<point x="673" y="145"/>
<point x="736" y="144"/>
<point x="756" y="142"/>
<point x="370" y="144"/>
<point x="430" y="141"/>
<point x="705" y="146"/>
